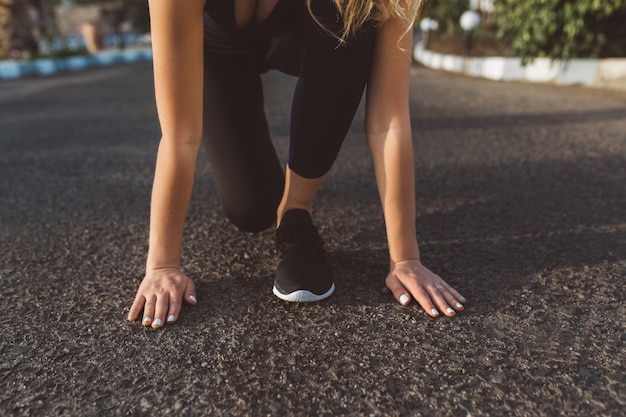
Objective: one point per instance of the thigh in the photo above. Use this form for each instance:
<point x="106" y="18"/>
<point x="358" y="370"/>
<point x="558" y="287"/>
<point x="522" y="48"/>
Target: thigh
<point x="327" y="96"/>
<point x="246" y="169"/>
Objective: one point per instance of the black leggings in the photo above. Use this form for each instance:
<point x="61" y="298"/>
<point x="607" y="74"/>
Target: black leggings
<point x="248" y="175"/>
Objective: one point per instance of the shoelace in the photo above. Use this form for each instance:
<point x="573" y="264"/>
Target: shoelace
<point x="298" y="238"/>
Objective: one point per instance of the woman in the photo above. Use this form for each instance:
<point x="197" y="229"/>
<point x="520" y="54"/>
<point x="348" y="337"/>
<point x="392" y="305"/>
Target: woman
<point x="208" y="55"/>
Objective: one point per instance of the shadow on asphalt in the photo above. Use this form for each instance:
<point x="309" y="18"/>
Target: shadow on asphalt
<point x="520" y="196"/>
<point x="536" y="120"/>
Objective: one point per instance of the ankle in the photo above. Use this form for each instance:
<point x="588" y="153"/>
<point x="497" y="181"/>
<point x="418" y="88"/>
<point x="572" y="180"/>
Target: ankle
<point x="282" y="210"/>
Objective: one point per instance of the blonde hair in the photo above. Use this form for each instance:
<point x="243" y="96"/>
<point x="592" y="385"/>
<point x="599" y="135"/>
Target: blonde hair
<point x="355" y="13"/>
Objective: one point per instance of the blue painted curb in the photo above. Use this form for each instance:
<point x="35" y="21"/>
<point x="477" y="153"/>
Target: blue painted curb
<point x="10" y="70"/>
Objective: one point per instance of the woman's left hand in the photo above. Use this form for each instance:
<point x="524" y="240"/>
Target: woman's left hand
<point x="411" y="278"/>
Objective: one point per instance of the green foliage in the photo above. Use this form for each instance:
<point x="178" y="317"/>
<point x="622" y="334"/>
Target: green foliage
<point x="447" y="13"/>
<point x="564" y="28"/>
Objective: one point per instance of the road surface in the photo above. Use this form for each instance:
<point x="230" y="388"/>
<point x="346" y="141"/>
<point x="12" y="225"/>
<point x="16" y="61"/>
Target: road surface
<point x="521" y="205"/>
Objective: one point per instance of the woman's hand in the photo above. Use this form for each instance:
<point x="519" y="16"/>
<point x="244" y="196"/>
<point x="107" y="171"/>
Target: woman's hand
<point x="160" y="296"/>
<point x="408" y="278"/>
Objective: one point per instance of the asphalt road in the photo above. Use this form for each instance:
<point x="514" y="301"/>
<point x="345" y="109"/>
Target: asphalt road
<point x="521" y="202"/>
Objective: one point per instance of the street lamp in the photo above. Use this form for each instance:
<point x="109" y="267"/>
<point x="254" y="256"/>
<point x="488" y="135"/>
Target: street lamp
<point x="469" y="21"/>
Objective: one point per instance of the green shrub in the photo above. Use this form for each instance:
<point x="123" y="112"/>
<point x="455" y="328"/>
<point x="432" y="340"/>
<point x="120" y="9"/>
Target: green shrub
<point x="564" y="28"/>
<point x="447" y="13"/>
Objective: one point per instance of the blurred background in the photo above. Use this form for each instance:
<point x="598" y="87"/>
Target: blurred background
<point x="556" y="29"/>
<point x="57" y="28"/>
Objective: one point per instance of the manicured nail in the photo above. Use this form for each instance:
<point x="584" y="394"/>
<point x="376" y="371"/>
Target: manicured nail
<point x="171" y="318"/>
<point x="192" y="298"/>
<point x="459" y="305"/>
<point x="147" y="319"/>
<point x="404" y="299"/>
<point x="463" y="299"/>
<point x="434" y="312"/>
<point x="450" y="310"/>
<point x="157" y="322"/>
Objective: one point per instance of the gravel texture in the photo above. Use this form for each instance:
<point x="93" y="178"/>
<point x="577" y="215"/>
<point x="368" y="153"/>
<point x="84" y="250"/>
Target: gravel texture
<point x="521" y="196"/>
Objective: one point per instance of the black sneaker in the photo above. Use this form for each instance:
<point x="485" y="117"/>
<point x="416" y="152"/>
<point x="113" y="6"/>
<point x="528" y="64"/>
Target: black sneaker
<point x="304" y="273"/>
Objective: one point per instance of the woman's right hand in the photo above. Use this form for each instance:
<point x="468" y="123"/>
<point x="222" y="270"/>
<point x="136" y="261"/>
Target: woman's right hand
<point x="160" y="296"/>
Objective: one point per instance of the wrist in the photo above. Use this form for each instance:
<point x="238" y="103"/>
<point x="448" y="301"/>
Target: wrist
<point x="154" y="263"/>
<point x="405" y="252"/>
<point x="411" y="259"/>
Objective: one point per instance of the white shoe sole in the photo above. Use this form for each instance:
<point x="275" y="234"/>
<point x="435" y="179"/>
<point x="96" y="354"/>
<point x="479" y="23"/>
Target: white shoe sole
<point x="303" y="296"/>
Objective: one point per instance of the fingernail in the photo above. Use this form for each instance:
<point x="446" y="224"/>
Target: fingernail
<point x="463" y="299"/>
<point x="171" y="318"/>
<point x="404" y="299"/>
<point x="157" y="322"/>
<point x="147" y="319"/>
<point x="192" y="298"/>
<point x="459" y="305"/>
<point x="434" y="312"/>
<point x="450" y="310"/>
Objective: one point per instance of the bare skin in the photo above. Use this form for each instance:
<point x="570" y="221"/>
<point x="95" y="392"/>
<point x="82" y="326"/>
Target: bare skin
<point x="388" y="131"/>
<point x="177" y="44"/>
<point x="299" y="193"/>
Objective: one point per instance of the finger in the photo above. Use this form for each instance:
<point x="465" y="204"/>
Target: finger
<point x="397" y="289"/>
<point x="425" y="301"/>
<point x="148" y="311"/>
<point x="175" y="305"/>
<point x="422" y="298"/>
<point x="458" y="297"/>
<point x="160" y="310"/>
<point x="439" y="300"/>
<point x="190" y="293"/>
<point x="452" y="301"/>
<point x="136" y="308"/>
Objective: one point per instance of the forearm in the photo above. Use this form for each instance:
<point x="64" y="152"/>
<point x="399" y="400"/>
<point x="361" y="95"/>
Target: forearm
<point x="171" y="191"/>
<point x="392" y="153"/>
<point x="177" y="39"/>
<point x="388" y="130"/>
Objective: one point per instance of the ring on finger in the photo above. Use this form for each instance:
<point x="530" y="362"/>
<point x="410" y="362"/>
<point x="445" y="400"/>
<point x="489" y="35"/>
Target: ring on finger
<point x="438" y="287"/>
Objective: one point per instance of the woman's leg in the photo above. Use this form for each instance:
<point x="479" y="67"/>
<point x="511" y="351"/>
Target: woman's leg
<point x="326" y="97"/>
<point x="325" y="100"/>
<point x="299" y="193"/>
<point x="246" y="169"/>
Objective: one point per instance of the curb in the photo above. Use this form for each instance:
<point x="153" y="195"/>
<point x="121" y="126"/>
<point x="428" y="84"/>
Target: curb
<point x="10" y="70"/>
<point x="610" y="72"/>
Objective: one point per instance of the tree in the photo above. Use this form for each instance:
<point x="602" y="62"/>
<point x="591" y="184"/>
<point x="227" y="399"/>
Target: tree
<point x="133" y="11"/>
<point x="18" y="29"/>
<point x="563" y="29"/>
<point x="447" y="13"/>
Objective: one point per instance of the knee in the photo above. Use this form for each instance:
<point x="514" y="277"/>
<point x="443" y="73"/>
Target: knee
<point x="251" y="219"/>
<point x="251" y="205"/>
